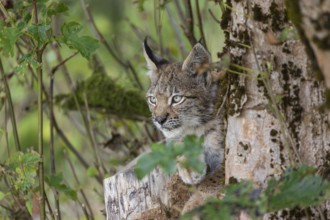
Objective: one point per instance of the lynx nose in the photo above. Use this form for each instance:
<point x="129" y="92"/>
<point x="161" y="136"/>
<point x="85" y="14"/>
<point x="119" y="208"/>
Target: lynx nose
<point x="161" y="119"/>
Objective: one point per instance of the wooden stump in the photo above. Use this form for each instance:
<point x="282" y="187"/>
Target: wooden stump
<point x="126" y="196"/>
<point x="157" y="196"/>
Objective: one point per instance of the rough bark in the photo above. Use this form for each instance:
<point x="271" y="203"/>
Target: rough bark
<point x="266" y="125"/>
<point x="313" y="20"/>
<point x="156" y="196"/>
<point x="126" y="197"/>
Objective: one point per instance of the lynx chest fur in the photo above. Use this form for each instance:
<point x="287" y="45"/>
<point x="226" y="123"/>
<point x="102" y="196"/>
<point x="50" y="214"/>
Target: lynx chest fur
<point x="181" y="99"/>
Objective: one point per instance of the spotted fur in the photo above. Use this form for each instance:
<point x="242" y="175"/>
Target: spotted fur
<point x="181" y="99"/>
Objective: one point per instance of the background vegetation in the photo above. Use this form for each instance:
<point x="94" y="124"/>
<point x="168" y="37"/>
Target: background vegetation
<point x="72" y="91"/>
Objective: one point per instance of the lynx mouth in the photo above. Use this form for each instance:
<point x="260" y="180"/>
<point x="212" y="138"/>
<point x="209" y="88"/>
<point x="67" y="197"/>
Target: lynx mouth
<point x="170" y="127"/>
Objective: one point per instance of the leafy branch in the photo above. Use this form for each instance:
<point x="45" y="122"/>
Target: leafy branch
<point x="300" y="187"/>
<point x="165" y="156"/>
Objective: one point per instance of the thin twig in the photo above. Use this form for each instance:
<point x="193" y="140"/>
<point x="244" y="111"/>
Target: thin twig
<point x="55" y="68"/>
<point x="58" y="130"/>
<point x="214" y="17"/>
<point x="11" y="107"/>
<point x="179" y="10"/>
<point x="200" y="23"/>
<point x="49" y="206"/>
<point x="126" y="64"/>
<point x="39" y="53"/>
<point x="69" y="145"/>
<point x="78" y="183"/>
<point x="6" y="129"/>
<point x="52" y="151"/>
<point x="5" y="13"/>
<point x="189" y="23"/>
<point x="176" y="29"/>
<point x="138" y="32"/>
<point x="158" y="25"/>
<point x="91" y="135"/>
<point x="71" y="86"/>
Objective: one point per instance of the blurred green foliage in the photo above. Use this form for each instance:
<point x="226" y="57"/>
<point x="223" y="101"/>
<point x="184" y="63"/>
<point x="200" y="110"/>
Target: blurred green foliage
<point x="296" y="188"/>
<point x="165" y="156"/>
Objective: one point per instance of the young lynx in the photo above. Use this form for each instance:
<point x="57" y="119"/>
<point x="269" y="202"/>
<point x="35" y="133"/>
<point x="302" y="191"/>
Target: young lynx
<point x="181" y="98"/>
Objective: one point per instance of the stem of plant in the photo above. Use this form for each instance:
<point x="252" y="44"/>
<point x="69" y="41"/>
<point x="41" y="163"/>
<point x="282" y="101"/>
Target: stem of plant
<point x="78" y="183"/>
<point x="40" y="138"/>
<point x="200" y="23"/>
<point x="11" y="107"/>
<point x="59" y="131"/>
<point x="52" y="151"/>
<point x="39" y="53"/>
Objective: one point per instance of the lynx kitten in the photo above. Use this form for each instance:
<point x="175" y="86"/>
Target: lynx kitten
<point x="182" y="98"/>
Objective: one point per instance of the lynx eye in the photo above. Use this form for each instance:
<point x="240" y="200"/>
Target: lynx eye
<point x="177" y="99"/>
<point x="152" y="100"/>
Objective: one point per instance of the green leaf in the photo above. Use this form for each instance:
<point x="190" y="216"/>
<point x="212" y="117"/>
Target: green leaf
<point x="28" y="204"/>
<point x="24" y="165"/>
<point x="146" y="164"/>
<point x="31" y="158"/>
<point x="84" y="44"/>
<point x="55" y="8"/>
<point x="165" y="156"/>
<point x="192" y="149"/>
<point x="56" y="181"/>
<point x="24" y="61"/>
<point x="299" y="187"/>
<point x="39" y="33"/>
<point x="8" y="38"/>
<point x="24" y="160"/>
<point x="2" y="195"/>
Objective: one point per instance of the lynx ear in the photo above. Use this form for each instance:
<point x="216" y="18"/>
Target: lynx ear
<point x="153" y="60"/>
<point x="197" y="60"/>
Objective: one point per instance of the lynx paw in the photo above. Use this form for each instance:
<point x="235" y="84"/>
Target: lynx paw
<point x="189" y="176"/>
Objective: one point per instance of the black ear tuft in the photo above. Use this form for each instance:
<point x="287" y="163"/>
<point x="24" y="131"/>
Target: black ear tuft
<point x="157" y="60"/>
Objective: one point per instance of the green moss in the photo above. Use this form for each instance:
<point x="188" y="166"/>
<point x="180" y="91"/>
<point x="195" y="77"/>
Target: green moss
<point x="104" y="95"/>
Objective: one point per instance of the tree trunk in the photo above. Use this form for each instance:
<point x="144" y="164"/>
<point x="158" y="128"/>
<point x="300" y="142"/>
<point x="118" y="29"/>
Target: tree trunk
<point x="274" y="117"/>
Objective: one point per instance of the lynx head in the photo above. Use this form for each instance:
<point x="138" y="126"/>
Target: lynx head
<point x="182" y="95"/>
